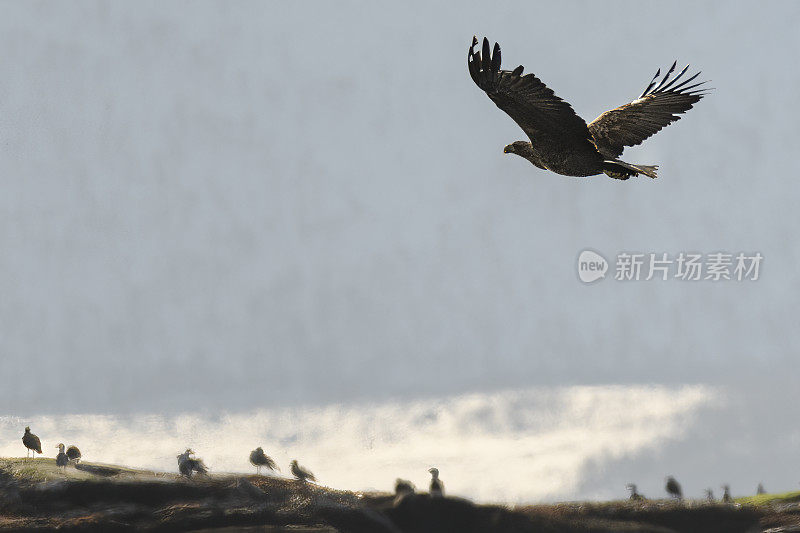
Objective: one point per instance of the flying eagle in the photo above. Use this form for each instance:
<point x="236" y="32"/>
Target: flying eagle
<point x="560" y="140"/>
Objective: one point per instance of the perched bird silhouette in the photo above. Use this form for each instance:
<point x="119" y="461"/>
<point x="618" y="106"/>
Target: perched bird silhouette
<point x="560" y="140"/>
<point x="61" y="459"/>
<point x="634" y="492"/>
<point x="437" y="486"/>
<point x="402" y="488"/>
<point x="710" y="495"/>
<point x="188" y="465"/>
<point x="302" y="474"/>
<point x="760" y="489"/>
<point x="726" y="494"/>
<point x="674" y="488"/>
<point x="259" y="459"/>
<point x="32" y="443"/>
<point x="73" y="453"/>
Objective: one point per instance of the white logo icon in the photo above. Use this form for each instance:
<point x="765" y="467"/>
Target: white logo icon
<point x="591" y="266"/>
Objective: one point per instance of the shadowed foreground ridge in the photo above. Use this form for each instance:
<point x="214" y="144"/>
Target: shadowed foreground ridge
<point x="36" y="495"/>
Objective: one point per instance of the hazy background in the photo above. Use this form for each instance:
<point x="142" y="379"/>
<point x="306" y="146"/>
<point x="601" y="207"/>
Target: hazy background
<point x="245" y="205"/>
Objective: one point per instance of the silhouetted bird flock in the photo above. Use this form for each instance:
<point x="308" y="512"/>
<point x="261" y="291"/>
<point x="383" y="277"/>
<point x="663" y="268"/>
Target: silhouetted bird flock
<point x="189" y="465"/>
<point x="33" y="444"/>
<point x="674" y="490"/>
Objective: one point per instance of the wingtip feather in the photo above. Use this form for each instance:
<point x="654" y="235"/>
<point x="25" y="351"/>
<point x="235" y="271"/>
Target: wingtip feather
<point x="496" y="59"/>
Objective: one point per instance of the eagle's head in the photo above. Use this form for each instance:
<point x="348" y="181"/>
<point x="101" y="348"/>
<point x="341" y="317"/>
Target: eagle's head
<point x="517" y="147"/>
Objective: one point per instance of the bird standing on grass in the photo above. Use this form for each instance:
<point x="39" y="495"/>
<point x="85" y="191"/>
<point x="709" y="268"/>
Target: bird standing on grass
<point x="258" y="459"/>
<point x="61" y="459"/>
<point x="726" y="494"/>
<point x="635" y="496"/>
<point x="32" y="443"/>
<point x="561" y="141"/>
<point x="402" y="488"/>
<point x="73" y="454"/>
<point x="710" y="495"/>
<point x="188" y="465"/>
<point x="760" y="489"/>
<point x="437" y="486"/>
<point x="302" y="474"/>
<point x="674" y="488"/>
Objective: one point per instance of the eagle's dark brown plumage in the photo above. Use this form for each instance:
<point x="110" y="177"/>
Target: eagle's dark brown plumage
<point x="560" y="140"/>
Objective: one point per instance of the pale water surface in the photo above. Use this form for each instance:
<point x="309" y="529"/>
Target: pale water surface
<point x="510" y="446"/>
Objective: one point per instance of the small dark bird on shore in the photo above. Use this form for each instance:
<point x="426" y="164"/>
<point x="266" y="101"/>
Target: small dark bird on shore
<point x="710" y="495"/>
<point x="73" y="454"/>
<point x="674" y="488"/>
<point x="61" y="459"/>
<point x="634" y="492"/>
<point x="726" y="494"/>
<point x="188" y="465"/>
<point x="760" y="489"/>
<point x="302" y="474"/>
<point x="32" y="443"/>
<point x="437" y="486"/>
<point x="402" y="488"/>
<point x="258" y="459"/>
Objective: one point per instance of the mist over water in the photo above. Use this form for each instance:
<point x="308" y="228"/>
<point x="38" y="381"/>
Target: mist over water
<point x="512" y="446"/>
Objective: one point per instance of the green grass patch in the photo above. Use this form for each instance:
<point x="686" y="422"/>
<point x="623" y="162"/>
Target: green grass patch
<point x="769" y="499"/>
<point x="29" y="469"/>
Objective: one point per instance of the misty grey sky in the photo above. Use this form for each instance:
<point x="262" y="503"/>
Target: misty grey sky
<point x="231" y="205"/>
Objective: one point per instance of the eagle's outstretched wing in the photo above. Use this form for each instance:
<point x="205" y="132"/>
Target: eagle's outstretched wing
<point x="532" y="105"/>
<point x="659" y="105"/>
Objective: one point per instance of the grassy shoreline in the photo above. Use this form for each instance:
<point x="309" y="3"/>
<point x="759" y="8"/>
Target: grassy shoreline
<point x="37" y="495"/>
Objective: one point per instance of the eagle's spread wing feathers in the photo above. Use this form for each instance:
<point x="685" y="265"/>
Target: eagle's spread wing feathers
<point x="660" y="104"/>
<point x="532" y="105"/>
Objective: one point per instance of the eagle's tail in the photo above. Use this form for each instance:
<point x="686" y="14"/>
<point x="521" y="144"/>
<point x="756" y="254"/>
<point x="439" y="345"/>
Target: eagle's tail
<point x="621" y="170"/>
